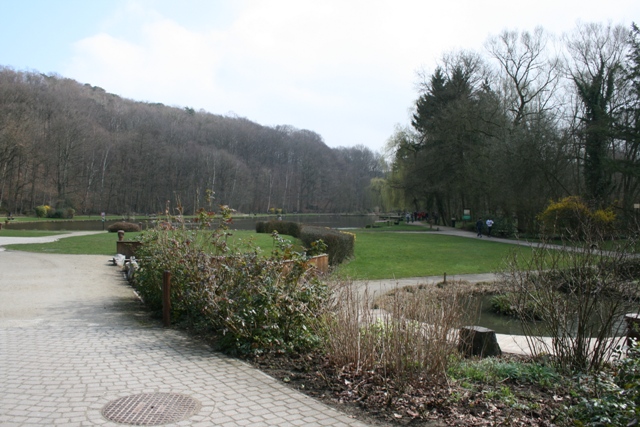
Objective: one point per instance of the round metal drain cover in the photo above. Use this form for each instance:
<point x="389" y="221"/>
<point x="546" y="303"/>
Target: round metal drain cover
<point x="151" y="409"/>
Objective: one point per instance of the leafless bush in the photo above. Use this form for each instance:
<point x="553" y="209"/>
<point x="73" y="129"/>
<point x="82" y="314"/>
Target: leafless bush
<point x="412" y="336"/>
<point x="581" y="292"/>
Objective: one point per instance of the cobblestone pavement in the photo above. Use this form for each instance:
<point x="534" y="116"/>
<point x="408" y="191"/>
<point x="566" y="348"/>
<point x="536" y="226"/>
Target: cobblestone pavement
<point x="74" y="338"/>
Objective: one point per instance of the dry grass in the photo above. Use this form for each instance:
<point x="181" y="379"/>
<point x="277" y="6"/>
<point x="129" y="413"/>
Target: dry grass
<point x="410" y="335"/>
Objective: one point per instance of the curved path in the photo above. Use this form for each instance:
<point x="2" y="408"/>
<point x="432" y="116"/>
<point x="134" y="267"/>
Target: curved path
<point x="44" y="239"/>
<point x="74" y="337"/>
<point x="516" y="344"/>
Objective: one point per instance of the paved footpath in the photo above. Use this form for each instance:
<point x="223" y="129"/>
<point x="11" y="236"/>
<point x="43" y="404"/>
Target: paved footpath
<point x="74" y="339"/>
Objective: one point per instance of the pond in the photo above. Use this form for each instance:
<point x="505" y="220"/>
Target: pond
<point x="240" y="223"/>
<point x="510" y="325"/>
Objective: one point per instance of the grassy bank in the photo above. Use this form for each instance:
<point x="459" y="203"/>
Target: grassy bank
<point x="398" y="255"/>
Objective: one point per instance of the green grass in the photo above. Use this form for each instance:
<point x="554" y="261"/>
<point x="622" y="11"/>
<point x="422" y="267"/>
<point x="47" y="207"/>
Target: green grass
<point x="105" y="243"/>
<point x="28" y="233"/>
<point x="377" y="255"/>
<point x="398" y="255"/>
<point x="75" y="218"/>
<point x="95" y="244"/>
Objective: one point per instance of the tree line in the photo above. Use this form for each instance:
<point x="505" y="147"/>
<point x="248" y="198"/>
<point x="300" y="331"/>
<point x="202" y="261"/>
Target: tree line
<point x="531" y="119"/>
<point x="69" y="145"/>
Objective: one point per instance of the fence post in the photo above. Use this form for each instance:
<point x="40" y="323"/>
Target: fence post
<point x="166" y="299"/>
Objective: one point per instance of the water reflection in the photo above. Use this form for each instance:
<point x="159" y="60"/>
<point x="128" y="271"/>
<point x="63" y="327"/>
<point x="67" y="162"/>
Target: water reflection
<point x="484" y="316"/>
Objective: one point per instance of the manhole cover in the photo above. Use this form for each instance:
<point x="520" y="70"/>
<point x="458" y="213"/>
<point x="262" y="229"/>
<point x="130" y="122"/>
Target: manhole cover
<point x="151" y="409"/>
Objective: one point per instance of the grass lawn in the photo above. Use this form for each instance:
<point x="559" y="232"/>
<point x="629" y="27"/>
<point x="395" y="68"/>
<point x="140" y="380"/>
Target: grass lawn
<point x="377" y="255"/>
<point x="28" y="233"/>
<point x="105" y="243"/>
<point x="95" y="244"/>
<point x="398" y="255"/>
<point x="21" y="218"/>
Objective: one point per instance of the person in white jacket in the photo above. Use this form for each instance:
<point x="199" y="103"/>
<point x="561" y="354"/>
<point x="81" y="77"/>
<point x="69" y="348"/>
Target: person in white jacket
<point x="489" y="225"/>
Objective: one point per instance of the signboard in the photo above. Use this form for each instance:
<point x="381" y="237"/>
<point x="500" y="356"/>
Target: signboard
<point x="466" y="214"/>
<point x="103" y="216"/>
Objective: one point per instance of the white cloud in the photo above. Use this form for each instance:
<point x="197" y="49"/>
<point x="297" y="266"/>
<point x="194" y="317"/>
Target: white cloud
<point x="345" y="69"/>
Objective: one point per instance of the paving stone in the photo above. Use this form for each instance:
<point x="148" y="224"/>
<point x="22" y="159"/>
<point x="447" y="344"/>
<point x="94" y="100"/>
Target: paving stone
<point x="73" y="349"/>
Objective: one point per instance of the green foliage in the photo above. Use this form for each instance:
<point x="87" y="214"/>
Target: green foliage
<point x="502" y="304"/>
<point x="42" y="211"/>
<point x="287" y="228"/>
<point x="46" y="211"/>
<point x="58" y="213"/>
<point x="340" y="245"/>
<point x="250" y="303"/>
<point x="504" y="227"/>
<point x="495" y="371"/>
<point x="508" y="304"/>
<point x="608" y="398"/>
<point x="317" y="248"/>
<point x="125" y="226"/>
<point x="571" y="217"/>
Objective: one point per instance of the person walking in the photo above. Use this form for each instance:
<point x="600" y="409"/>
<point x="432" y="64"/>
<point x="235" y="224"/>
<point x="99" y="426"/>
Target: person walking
<point x="479" y="227"/>
<point x="489" y="225"/>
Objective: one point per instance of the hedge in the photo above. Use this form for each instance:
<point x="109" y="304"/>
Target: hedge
<point x="128" y="227"/>
<point x="287" y="228"/>
<point x="340" y="245"/>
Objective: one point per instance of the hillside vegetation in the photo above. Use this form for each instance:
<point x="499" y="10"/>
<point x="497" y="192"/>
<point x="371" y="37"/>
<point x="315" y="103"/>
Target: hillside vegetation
<point x="77" y="146"/>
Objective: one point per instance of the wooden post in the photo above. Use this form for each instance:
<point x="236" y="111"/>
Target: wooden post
<point x="166" y="299"/>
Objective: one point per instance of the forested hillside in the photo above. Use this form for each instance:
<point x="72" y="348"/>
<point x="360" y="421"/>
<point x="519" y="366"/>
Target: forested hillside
<point x="70" y="145"/>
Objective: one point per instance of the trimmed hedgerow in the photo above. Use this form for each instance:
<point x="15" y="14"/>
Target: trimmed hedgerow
<point x="288" y="228"/>
<point x="340" y="245"/>
<point x="128" y="227"/>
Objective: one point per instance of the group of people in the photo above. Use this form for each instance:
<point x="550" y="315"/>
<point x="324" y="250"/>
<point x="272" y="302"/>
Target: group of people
<point x="418" y="216"/>
<point x="480" y="225"/>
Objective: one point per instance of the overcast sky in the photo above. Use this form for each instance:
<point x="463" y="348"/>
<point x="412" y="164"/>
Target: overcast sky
<point x="345" y="69"/>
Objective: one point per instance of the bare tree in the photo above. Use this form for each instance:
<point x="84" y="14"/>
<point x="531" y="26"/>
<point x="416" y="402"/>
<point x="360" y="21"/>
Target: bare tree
<point x="530" y="72"/>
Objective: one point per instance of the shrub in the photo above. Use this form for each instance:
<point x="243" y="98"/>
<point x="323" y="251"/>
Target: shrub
<point x="288" y="228"/>
<point x="572" y="218"/>
<point x="58" y="213"/>
<point x="340" y="245"/>
<point x="250" y="303"/>
<point x="128" y="227"/>
<point x="42" y="211"/>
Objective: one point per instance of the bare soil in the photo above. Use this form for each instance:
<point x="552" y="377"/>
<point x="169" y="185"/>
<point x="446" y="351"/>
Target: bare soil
<point x="368" y="397"/>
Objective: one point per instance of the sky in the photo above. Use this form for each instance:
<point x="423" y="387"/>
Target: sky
<point x="345" y="69"/>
